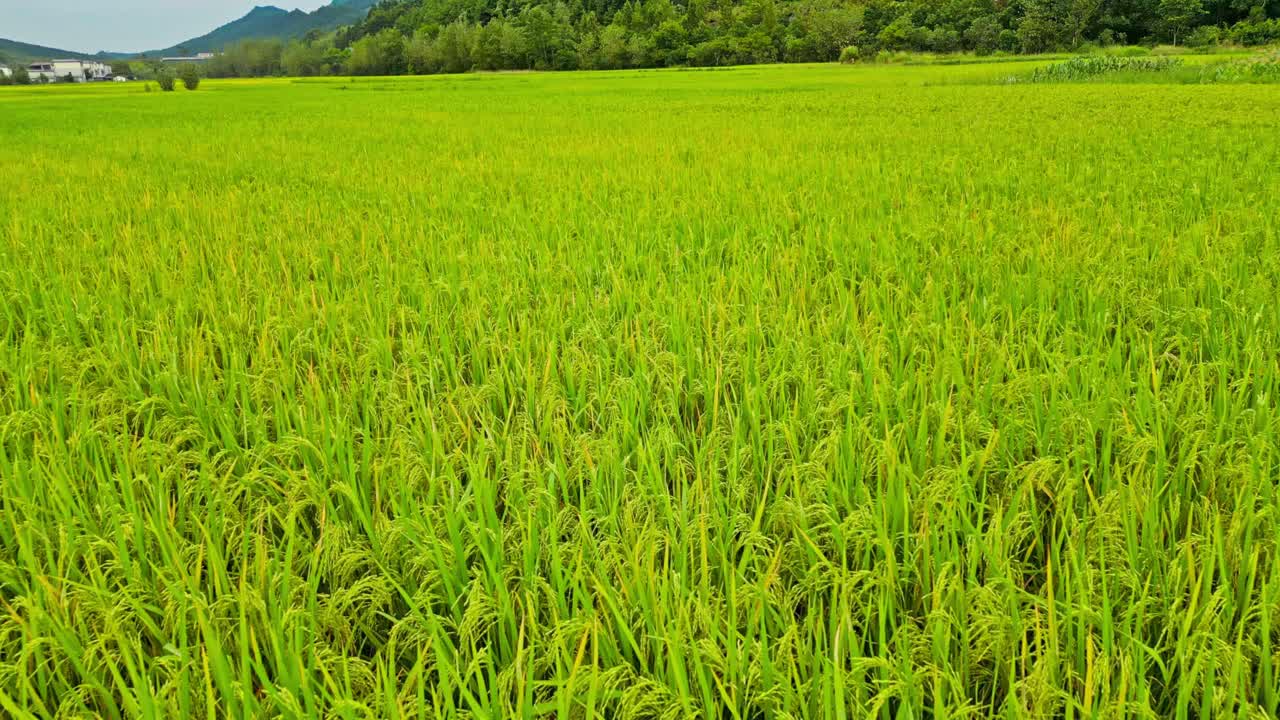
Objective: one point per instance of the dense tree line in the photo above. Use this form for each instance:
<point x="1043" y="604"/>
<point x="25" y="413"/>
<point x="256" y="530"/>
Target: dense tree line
<point x="433" y="36"/>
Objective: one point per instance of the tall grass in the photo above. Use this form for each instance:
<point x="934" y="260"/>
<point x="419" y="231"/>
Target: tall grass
<point x="1254" y="68"/>
<point x="772" y="393"/>
<point x="1082" y="68"/>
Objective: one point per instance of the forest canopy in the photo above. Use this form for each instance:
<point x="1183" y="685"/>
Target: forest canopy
<point x="440" y="36"/>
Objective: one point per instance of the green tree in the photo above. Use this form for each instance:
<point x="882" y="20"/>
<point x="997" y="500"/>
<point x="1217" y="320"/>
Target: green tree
<point x="421" y="54"/>
<point x="190" y="76"/>
<point x="757" y="47"/>
<point x="1041" y="29"/>
<point x="587" y="43"/>
<point x="983" y="35"/>
<point x="1077" y="17"/>
<point x="166" y="80"/>
<point x="514" y="46"/>
<point x="670" y="44"/>
<point x="902" y="34"/>
<point x="639" y="50"/>
<point x="458" y="35"/>
<point x="303" y="59"/>
<point x="824" y="28"/>
<point x="454" y="46"/>
<point x="486" y="50"/>
<point x="248" y="58"/>
<point x="546" y="35"/>
<point x="613" y="47"/>
<point x="1179" y="16"/>
<point x="381" y="54"/>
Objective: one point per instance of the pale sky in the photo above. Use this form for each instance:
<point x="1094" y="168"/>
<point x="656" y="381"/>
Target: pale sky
<point x="123" y="25"/>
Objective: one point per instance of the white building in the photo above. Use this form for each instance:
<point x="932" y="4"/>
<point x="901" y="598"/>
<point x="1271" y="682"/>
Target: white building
<point x="78" y="70"/>
<point x="5" y="72"/>
<point x="198" y="58"/>
<point x="41" y="72"/>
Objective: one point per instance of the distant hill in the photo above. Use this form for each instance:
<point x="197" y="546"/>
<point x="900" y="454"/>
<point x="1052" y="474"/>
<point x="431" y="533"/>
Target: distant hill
<point x="20" y="52"/>
<point x="269" y="21"/>
<point x="266" y="21"/>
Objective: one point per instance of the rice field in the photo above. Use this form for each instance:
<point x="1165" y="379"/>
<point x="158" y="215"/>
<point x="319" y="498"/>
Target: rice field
<point x="775" y="392"/>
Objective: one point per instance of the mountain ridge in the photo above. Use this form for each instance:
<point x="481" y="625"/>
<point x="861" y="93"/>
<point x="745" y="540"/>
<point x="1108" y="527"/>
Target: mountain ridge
<point x="263" y="21"/>
<point x="17" y="51"/>
<point x="271" y="21"/>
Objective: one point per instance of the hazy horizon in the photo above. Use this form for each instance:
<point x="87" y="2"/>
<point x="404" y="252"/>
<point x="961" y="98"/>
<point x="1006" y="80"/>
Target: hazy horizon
<point x="126" y="26"/>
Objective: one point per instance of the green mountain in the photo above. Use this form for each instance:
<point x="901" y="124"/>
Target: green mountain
<point x="261" y="22"/>
<point x="269" y="21"/>
<point x="12" y="51"/>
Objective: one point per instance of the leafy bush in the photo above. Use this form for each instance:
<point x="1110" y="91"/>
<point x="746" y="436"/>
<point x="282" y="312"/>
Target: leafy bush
<point x="849" y="54"/>
<point x="1205" y="36"/>
<point x="1255" y="32"/>
<point x="983" y="35"/>
<point x="166" y="80"/>
<point x="1008" y="41"/>
<point x="190" y="76"/>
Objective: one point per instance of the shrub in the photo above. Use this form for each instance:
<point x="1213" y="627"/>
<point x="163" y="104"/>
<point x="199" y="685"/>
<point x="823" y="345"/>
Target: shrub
<point x="165" y="80"/>
<point x="190" y="76"/>
<point x="983" y="35"/>
<point x="849" y="55"/>
<point x="1205" y="36"/>
<point x="717" y="51"/>
<point x="1008" y="41"/>
<point x="1255" y="32"/>
<point x="1037" y="35"/>
<point x="943" y="40"/>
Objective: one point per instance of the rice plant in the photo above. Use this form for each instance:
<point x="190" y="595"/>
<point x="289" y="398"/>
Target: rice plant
<point x="776" y="392"/>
